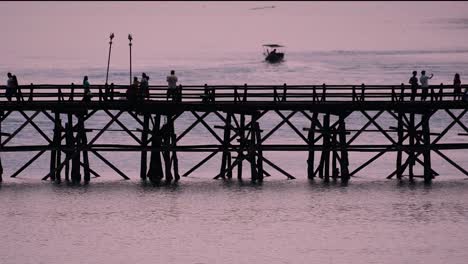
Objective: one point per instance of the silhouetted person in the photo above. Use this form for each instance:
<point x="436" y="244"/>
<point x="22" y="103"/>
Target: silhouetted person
<point x="171" y="85"/>
<point x="144" y="86"/>
<point x="273" y="51"/>
<point x="414" y="85"/>
<point x="424" y="79"/>
<point x="10" y="86"/>
<point x="132" y="90"/>
<point x="86" y="90"/>
<point x="457" y="93"/>
<point x="16" y="89"/>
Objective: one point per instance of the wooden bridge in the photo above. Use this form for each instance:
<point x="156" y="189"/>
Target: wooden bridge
<point x="240" y="109"/>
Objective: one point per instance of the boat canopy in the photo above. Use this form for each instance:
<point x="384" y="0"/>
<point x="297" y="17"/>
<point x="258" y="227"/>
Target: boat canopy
<point x="272" y="45"/>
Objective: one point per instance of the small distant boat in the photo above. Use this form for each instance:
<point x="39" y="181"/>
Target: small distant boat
<point x="273" y="56"/>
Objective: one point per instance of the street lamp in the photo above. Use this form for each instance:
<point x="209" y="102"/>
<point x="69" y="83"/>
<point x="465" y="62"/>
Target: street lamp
<point x="130" y="45"/>
<point x="108" y="58"/>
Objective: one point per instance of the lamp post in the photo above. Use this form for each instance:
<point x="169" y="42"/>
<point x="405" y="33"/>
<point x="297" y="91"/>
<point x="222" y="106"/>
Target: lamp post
<point x="108" y="58"/>
<point x="130" y="45"/>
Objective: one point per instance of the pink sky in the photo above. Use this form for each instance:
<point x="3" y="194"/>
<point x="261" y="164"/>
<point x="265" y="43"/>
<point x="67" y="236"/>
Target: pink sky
<point x="162" y="29"/>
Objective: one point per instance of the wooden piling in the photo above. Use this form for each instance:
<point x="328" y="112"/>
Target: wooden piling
<point x="226" y="143"/>
<point x="258" y="145"/>
<point x="57" y="144"/>
<point x="84" y="144"/>
<point x="69" y="142"/>
<point x="311" y="153"/>
<point x="326" y="145"/>
<point x="144" y="142"/>
<point x="427" y="150"/>
<point x="240" y="151"/>
<point x="166" y="138"/>
<point x="175" y="160"/>
<point x="344" y="162"/>
<point x="251" y="150"/>
<point x="334" y="153"/>
<point x="53" y="152"/>
<point x="411" y="157"/>
<point x="399" y="168"/>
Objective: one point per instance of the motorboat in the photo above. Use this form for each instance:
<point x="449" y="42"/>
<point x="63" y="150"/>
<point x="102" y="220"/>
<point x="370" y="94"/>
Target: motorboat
<point x="273" y="56"/>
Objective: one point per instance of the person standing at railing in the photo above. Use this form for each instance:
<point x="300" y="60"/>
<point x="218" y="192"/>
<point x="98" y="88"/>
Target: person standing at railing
<point x="414" y="85"/>
<point x="10" y="88"/>
<point x="87" y="92"/>
<point x="424" y="79"/>
<point x="457" y="93"/>
<point x="144" y="86"/>
<point x="171" y="85"/>
<point x="132" y="91"/>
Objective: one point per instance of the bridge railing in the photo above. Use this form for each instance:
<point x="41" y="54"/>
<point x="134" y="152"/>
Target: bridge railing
<point x="242" y="93"/>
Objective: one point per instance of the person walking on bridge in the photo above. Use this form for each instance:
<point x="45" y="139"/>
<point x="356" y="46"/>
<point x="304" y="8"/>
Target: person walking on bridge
<point x="424" y="79"/>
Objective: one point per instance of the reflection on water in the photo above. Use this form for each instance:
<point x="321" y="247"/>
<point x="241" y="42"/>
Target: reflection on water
<point x="209" y="221"/>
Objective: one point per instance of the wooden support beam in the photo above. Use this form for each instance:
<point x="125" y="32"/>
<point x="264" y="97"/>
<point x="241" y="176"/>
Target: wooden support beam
<point x="273" y="130"/>
<point x="278" y="168"/>
<point x="34" y="158"/>
<point x="28" y="119"/>
<point x="123" y="127"/>
<point x="110" y="165"/>
<point x="207" y="126"/>
<point x="189" y="128"/>
<point x="292" y="126"/>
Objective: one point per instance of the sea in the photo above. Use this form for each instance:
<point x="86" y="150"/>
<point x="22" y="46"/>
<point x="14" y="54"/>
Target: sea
<point x="202" y="220"/>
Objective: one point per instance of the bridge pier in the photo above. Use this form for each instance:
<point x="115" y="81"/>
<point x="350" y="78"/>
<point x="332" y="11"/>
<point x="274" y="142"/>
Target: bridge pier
<point x="155" y="172"/>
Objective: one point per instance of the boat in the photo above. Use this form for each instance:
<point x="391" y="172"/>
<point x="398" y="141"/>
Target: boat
<point x="273" y="56"/>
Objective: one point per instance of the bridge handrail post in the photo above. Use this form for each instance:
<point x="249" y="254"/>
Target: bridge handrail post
<point x="275" y="94"/>
<point x="179" y="93"/>
<point x="402" y="94"/>
<point x="31" y="91"/>
<point x="100" y="93"/>
<point x="59" y="94"/>
<point x="433" y="95"/>
<point x="314" y="94"/>
<point x="72" y="93"/>
<point x="363" y="88"/>
<point x="393" y="94"/>
<point x="324" y="91"/>
<point x="285" y="89"/>
<point x="441" y="92"/>
<point x="354" y="97"/>
<point x="205" y="93"/>
<point x="244" y="99"/>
